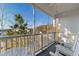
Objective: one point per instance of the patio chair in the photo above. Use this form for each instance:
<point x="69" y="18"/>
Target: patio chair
<point x="62" y="51"/>
<point x="68" y="49"/>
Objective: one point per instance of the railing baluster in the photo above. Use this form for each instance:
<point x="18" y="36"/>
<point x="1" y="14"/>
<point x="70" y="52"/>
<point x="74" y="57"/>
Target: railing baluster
<point x="6" y="44"/>
<point x="36" y="42"/>
<point x="16" y="43"/>
<point x="27" y="43"/>
<point x="24" y="45"/>
<point x="20" y="42"/>
<point x="24" y="42"/>
<point x="30" y="43"/>
<point x="11" y="43"/>
<point x="41" y="40"/>
<point x="48" y="39"/>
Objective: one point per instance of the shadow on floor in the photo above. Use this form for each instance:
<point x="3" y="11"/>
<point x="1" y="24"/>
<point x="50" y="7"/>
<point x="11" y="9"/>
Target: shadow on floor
<point x="46" y="51"/>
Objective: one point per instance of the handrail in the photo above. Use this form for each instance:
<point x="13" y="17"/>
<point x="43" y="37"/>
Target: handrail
<point x="12" y="36"/>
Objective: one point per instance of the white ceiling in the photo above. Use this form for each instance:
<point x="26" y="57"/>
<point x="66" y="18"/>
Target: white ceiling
<point x="56" y="8"/>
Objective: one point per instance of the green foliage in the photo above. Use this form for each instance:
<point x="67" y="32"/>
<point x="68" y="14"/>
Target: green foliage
<point x="19" y="27"/>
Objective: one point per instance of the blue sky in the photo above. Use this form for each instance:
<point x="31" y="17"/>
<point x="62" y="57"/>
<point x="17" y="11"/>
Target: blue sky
<point x="10" y="9"/>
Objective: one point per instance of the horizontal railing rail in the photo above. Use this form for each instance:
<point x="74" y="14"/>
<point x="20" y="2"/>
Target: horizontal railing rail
<point x="31" y="42"/>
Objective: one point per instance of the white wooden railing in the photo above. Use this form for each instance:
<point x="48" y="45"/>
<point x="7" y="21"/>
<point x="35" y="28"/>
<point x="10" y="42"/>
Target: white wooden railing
<point x="32" y="43"/>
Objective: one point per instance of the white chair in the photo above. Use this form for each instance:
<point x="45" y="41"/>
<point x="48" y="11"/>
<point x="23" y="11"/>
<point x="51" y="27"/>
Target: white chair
<point x="61" y="50"/>
<point x="68" y="49"/>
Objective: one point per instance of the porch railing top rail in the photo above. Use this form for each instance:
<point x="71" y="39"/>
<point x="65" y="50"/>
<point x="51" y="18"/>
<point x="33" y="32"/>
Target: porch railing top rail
<point x="23" y="35"/>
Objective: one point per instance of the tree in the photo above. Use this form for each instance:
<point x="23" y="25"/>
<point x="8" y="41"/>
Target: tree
<point x="20" y="27"/>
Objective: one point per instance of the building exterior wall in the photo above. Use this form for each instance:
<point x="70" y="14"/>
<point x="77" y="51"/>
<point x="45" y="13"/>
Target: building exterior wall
<point x="70" y="21"/>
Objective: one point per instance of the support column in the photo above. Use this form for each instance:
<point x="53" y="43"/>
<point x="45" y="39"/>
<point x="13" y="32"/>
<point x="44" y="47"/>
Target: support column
<point x="57" y="39"/>
<point x="34" y="30"/>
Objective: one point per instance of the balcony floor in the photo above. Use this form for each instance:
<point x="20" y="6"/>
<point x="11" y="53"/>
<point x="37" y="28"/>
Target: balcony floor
<point x="46" y="51"/>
